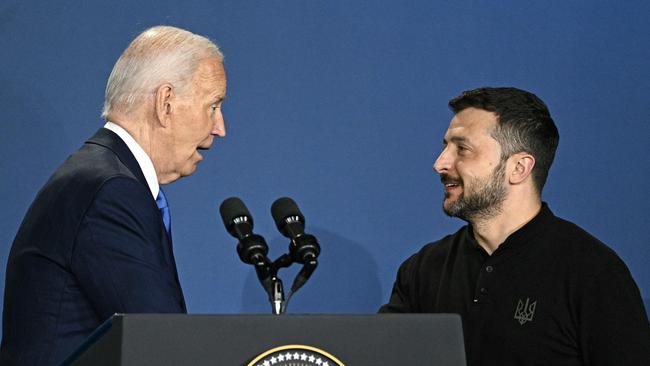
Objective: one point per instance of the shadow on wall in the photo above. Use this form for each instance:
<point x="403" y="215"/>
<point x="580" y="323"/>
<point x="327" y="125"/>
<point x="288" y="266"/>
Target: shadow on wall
<point x="345" y="281"/>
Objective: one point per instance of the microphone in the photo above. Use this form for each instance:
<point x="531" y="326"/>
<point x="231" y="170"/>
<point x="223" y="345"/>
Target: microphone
<point x="303" y="248"/>
<point x="252" y="248"/>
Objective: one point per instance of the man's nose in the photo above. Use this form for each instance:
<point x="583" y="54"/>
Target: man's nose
<point x="219" y="125"/>
<point x="443" y="162"/>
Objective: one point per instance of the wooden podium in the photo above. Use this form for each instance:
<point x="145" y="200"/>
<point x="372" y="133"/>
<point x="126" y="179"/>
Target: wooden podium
<point x="224" y="340"/>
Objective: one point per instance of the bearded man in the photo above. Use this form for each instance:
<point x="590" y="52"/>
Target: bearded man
<point x="531" y="288"/>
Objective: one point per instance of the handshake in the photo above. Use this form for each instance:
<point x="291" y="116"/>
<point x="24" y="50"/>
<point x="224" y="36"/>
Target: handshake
<point x="252" y="248"/>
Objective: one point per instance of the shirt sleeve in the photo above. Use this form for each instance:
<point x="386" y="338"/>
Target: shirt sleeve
<point x="118" y="257"/>
<point x="613" y="325"/>
<point x="402" y="293"/>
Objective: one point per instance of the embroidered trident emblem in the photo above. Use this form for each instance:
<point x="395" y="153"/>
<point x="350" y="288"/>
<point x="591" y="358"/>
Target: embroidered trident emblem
<point x="525" y="312"/>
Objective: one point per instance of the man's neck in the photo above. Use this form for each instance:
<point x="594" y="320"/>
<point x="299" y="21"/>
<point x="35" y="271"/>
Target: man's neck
<point x="143" y="132"/>
<point x="139" y="128"/>
<point x="492" y="232"/>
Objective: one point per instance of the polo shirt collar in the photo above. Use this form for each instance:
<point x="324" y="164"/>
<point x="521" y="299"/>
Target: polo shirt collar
<point x="520" y="237"/>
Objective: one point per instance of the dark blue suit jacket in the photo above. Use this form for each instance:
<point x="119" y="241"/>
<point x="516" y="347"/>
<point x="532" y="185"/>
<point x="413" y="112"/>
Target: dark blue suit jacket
<point x="92" y="244"/>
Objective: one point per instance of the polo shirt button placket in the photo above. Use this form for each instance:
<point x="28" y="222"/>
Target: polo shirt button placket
<point x="483" y="291"/>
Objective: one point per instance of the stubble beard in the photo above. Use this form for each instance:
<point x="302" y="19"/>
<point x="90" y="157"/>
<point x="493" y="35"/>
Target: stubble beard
<point x="485" y="202"/>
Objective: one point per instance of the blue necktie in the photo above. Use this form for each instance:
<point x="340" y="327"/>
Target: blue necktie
<point x="161" y="202"/>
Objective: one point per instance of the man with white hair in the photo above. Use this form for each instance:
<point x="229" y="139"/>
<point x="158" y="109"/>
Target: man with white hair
<point x="97" y="238"/>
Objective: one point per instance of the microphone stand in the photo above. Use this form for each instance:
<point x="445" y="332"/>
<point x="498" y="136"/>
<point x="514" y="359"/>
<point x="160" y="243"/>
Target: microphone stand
<point x="268" y="276"/>
<point x="277" y="301"/>
<point x="267" y="271"/>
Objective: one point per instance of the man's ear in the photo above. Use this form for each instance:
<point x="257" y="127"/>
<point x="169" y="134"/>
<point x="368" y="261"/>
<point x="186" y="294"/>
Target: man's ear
<point x="164" y="103"/>
<point x="523" y="164"/>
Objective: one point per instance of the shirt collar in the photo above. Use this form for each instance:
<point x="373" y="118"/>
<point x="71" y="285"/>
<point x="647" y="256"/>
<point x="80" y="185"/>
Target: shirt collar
<point x="520" y="237"/>
<point x="146" y="165"/>
<point x="531" y="229"/>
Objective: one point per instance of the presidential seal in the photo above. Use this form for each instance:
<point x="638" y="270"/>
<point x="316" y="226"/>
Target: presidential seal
<point x="295" y="355"/>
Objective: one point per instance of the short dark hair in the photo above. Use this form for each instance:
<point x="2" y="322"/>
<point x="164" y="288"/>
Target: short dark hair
<point x="524" y="124"/>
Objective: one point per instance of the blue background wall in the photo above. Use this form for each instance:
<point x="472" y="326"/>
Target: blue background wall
<point x="342" y="106"/>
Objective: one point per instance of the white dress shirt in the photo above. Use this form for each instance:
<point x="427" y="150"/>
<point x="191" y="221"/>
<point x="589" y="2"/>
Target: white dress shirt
<point x="146" y="165"/>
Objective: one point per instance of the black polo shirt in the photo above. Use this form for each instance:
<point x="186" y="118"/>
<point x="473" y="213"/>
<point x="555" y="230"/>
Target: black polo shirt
<point x="551" y="294"/>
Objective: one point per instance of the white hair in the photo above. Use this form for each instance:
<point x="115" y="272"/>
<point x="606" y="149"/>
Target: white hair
<point x="159" y="55"/>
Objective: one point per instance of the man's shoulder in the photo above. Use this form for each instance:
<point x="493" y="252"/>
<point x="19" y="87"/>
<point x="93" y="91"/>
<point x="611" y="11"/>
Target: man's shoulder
<point x="89" y="167"/>
<point x="439" y="250"/>
<point x="575" y="235"/>
<point x="580" y="247"/>
<point x="75" y="183"/>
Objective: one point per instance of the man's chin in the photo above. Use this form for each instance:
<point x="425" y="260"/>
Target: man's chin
<point x="189" y="171"/>
<point x="453" y="209"/>
<point x="448" y="207"/>
<point x="450" y="201"/>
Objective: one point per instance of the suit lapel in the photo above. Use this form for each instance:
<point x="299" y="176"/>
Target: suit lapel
<point x="110" y="140"/>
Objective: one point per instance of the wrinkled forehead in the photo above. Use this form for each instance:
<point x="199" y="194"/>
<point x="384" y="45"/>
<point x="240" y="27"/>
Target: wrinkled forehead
<point x="210" y="70"/>
<point x="210" y="76"/>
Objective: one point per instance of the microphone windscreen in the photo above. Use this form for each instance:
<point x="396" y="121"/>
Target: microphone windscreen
<point x="232" y="208"/>
<point x="283" y="208"/>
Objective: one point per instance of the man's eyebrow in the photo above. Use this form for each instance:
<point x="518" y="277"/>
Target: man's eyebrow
<point x="455" y="139"/>
<point x="218" y="97"/>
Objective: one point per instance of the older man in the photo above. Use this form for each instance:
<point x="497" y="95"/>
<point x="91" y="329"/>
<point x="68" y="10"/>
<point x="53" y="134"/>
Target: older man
<point x="97" y="238"/>
<point x="531" y="288"/>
